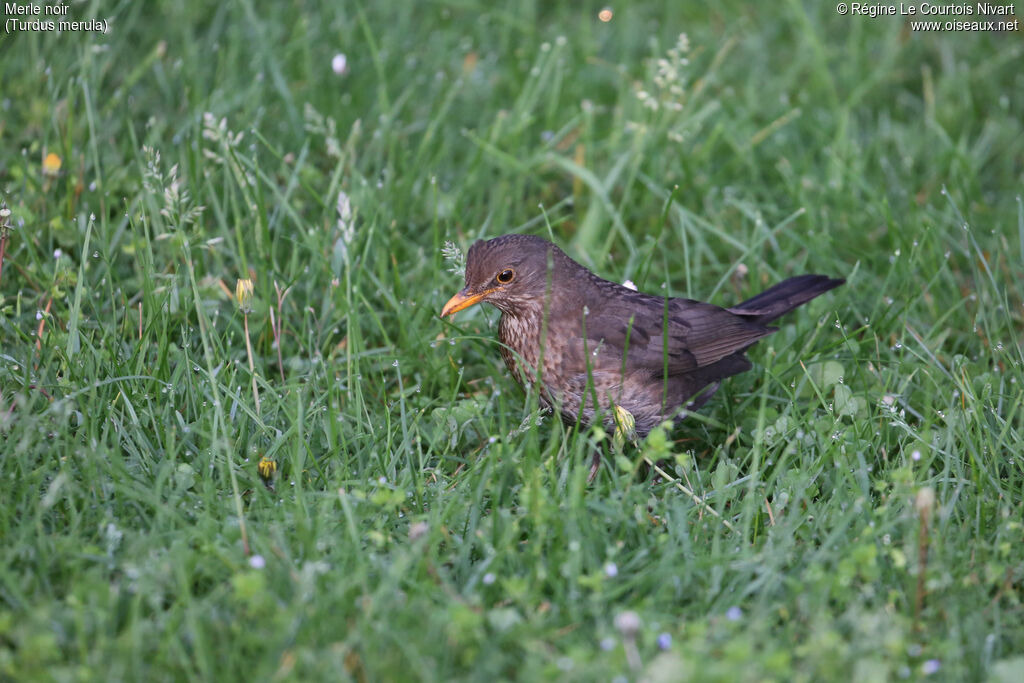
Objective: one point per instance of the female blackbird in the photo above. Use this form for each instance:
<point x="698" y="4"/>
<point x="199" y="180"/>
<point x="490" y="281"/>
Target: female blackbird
<point x="589" y="345"/>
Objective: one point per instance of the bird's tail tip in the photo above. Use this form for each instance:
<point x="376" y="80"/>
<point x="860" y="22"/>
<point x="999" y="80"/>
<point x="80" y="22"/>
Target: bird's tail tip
<point x="785" y="296"/>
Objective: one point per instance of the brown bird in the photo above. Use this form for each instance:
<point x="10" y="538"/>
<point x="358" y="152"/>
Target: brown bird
<point x="589" y="344"/>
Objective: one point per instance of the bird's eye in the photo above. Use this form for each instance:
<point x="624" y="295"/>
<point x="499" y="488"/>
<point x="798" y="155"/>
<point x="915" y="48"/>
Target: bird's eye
<point x="506" y="276"/>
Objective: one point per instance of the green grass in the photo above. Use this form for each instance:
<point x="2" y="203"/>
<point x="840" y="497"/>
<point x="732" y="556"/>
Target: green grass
<point x="424" y="524"/>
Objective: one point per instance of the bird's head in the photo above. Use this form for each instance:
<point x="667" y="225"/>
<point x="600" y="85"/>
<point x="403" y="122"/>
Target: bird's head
<point x="511" y="272"/>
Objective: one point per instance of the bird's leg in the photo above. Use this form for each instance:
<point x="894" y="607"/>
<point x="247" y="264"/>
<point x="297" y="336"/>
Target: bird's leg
<point x="595" y="464"/>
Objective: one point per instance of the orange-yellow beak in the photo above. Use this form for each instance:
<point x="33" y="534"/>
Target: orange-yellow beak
<point x="462" y="300"/>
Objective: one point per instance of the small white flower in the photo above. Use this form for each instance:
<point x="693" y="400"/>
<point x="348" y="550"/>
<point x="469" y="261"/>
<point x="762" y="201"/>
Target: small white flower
<point x="339" y="64"/>
<point x="611" y="570"/>
<point x="344" y="206"/>
<point x="628" y="623"/>
<point x="257" y="562"/>
<point x="418" y="530"/>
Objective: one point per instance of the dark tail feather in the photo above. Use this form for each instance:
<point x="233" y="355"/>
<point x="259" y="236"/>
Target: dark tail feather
<point x="785" y="296"/>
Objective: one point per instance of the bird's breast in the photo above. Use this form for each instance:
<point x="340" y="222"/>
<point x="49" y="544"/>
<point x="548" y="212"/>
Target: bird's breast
<point x="524" y="352"/>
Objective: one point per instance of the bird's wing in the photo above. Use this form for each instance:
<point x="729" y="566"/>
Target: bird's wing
<point x="684" y="335"/>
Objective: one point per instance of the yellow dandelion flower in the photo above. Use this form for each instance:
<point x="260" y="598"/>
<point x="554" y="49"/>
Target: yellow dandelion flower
<point x="51" y="164"/>
<point x="267" y="467"/>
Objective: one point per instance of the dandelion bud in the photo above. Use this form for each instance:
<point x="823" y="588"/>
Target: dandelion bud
<point x="243" y="295"/>
<point x="925" y="500"/>
<point x="625" y="427"/>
